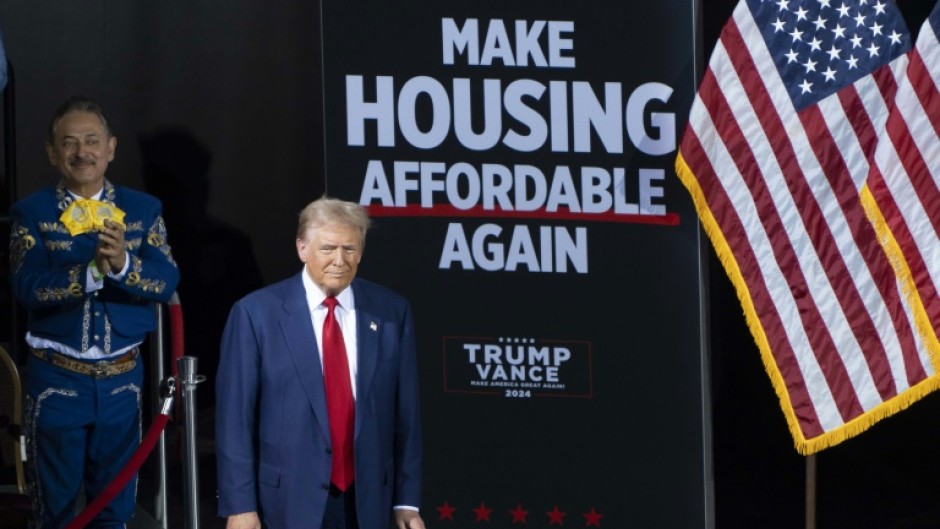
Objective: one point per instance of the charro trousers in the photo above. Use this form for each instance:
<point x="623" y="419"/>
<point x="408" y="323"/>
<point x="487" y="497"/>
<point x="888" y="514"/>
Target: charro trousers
<point x="80" y="432"/>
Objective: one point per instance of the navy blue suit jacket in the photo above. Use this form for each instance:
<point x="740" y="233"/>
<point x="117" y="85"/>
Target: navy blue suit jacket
<point x="272" y="429"/>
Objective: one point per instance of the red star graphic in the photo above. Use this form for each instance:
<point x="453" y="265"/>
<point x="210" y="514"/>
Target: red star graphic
<point x="556" y="517"/>
<point x="447" y="512"/>
<point x="483" y="513"/>
<point x="592" y="518"/>
<point x="519" y="514"/>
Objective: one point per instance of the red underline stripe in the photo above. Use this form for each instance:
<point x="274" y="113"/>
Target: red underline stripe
<point x="447" y="210"/>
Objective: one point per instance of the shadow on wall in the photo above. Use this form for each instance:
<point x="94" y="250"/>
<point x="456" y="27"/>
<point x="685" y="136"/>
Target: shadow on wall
<point x="216" y="260"/>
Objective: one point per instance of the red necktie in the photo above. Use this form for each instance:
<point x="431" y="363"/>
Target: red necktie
<point x="339" y="399"/>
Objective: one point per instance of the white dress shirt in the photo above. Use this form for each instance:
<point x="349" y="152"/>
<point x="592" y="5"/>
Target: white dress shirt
<point x="345" y="315"/>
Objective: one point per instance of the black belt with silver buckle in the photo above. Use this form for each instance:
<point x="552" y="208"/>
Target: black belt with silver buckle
<point x="96" y="368"/>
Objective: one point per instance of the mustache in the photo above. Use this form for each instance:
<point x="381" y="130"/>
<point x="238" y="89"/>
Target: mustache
<point x="81" y="159"/>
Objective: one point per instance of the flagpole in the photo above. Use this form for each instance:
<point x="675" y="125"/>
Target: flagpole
<point x="811" y="491"/>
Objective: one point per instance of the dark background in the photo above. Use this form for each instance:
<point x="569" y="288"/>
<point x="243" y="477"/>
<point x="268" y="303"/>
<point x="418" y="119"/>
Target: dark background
<point x="222" y="99"/>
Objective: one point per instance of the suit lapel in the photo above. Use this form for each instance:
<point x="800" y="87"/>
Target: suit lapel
<point x="368" y="326"/>
<point x="302" y="348"/>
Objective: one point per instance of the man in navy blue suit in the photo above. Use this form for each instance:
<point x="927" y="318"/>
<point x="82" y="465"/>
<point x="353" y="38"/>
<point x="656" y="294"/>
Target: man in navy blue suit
<point x="88" y="261"/>
<point x="277" y="440"/>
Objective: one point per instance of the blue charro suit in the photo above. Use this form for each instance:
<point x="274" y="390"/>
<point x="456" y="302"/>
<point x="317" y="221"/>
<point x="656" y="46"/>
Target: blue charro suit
<point x="272" y="429"/>
<point x="82" y="428"/>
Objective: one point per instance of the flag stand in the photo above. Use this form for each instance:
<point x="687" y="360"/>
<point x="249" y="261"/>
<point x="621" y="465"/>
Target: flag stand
<point x="811" y="491"/>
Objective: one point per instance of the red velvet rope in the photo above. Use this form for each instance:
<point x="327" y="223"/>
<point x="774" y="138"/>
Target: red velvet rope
<point x="175" y="312"/>
<point x="125" y="475"/>
<point x="153" y="434"/>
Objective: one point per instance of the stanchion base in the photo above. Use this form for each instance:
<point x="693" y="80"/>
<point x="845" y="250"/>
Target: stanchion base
<point x="143" y="520"/>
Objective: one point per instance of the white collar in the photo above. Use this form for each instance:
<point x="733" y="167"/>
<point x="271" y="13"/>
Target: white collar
<point x="96" y="196"/>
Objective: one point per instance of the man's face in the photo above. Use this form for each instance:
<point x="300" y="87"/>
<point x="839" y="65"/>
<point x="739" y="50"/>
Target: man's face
<point x="81" y="151"/>
<point x="331" y="256"/>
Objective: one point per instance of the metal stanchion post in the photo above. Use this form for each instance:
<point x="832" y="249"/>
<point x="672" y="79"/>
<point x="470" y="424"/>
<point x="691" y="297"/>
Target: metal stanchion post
<point x="156" y="378"/>
<point x="189" y="381"/>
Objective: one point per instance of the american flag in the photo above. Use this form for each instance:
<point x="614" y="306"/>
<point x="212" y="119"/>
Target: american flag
<point x="902" y="197"/>
<point x="775" y="154"/>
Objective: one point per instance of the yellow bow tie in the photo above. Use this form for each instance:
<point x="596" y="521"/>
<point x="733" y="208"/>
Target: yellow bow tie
<point x="85" y="215"/>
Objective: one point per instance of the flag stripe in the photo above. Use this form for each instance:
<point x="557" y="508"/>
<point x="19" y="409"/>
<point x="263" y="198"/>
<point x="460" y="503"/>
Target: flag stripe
<point x="925" y="80"/>
<point x="917" y="148"/>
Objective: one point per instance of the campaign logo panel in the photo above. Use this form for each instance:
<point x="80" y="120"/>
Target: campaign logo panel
<point x="517" y="367"/>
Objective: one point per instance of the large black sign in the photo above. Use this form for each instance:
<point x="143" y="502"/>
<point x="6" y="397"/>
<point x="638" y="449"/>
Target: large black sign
<point x="517" y="160"/>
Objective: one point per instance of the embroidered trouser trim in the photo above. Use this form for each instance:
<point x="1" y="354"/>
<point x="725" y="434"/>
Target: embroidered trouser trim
<point x="80" y="432"/>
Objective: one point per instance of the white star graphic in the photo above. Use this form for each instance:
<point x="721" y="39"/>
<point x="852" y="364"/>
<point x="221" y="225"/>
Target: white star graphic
<point x="873" y="50"/>
<point x="801" y="14"/>
<point x="859" y="20"/>
<point x="820" y="23"/>
<point x="810" y="65"/>
<point x="806" y="86"/>
<point x="783" y="5"/>
<point x="792" y="56"/>
<point x="779" y="26"/>
<point x="814" y="44"/>
<point x="844" y="10"/>
<point x="880" y="8"/>
<point x="856" y="41"/>
<point x="834" y="53"/>
<point x="838" y="31"/>
<point x="876" y="29"/>
<point x="797" y="35"/>
<point x="824" y="3"/>
<point x="895" y="37"/>
<point x="853" y="62"/>
<point x="829" y="74"/>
